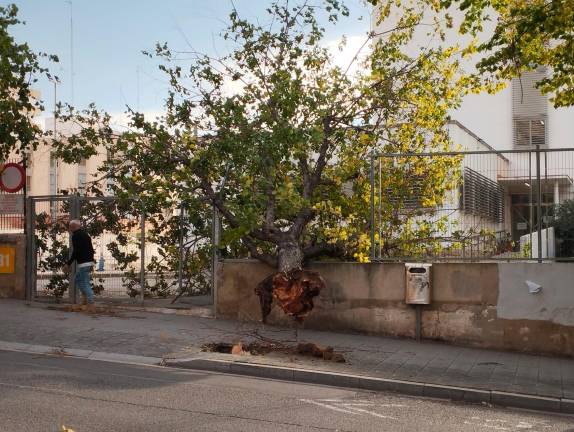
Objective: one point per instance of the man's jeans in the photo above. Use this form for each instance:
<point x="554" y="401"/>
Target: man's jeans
<point x="83" y="280"/>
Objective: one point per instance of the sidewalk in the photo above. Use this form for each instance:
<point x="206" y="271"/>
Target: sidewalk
<point x="178" y="339"/>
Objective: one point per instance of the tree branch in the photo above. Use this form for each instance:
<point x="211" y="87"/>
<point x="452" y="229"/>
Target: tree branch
<point x="264" y="257"/>
<point x="321" y="249"/>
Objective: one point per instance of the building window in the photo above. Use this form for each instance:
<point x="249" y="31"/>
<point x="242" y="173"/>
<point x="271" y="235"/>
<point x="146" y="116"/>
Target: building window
<point x="82" y="182"/>
<point x="53" y="175"/>
<point x="529" y="110"/>
<point x="529" y="132"/>
<point x="408" y="197"/>
<point x="481" y="196"/>
<point x="109" y="180"/>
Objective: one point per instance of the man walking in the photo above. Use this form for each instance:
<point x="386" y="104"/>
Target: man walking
<point x="83" y="254"/>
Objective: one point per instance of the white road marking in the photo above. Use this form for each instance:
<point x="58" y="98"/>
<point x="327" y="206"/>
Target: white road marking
<point x="491" y="426"/>
<point x="352" y="407"/>
<point x="331" y="407"/>
<point x="364" y="411"/>
<point x="366" y="402"/>
<point x="497" y="424"/>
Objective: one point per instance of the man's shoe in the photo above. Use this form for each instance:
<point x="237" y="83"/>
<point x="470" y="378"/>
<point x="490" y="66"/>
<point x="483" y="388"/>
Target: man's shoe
<point x="91" y="308"/>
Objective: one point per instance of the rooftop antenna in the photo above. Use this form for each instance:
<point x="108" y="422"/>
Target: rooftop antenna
<point x="71" y="49"/>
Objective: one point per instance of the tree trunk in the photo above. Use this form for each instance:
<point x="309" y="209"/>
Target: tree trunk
<point x="292" y="287"/>
<point x="290" y="257"/>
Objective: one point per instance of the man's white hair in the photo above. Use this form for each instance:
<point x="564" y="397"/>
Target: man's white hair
<point x="75" y="223"/>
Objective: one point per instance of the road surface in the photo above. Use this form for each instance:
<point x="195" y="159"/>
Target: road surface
<point x="44" y="393"/>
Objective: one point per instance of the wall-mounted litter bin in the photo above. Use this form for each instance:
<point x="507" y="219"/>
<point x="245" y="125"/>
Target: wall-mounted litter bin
<point x="418" y="283"/>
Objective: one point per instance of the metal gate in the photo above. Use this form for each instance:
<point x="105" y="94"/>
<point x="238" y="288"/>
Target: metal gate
<point x="128" y="262"/>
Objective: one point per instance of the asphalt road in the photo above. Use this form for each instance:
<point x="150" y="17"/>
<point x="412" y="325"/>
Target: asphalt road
<point x="40" y="393"/>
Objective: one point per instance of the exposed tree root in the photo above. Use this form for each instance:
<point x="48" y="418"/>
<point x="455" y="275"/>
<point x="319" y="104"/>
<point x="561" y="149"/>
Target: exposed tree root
<point x="293" y="290"/>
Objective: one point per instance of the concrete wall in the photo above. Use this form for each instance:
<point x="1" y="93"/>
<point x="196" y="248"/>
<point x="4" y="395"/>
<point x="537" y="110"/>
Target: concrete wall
<point x="476" y="304"/>
<point x="13" y="285"/>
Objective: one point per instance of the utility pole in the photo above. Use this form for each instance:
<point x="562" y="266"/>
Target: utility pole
<point x="56" y="82"/>
<point x="71" y="50"/>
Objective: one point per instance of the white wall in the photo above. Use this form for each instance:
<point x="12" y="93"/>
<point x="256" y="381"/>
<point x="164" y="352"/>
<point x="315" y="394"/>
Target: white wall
<point x="490" y="116"/>
<point x="561" y="127"/>
<point x="555" y="302"/>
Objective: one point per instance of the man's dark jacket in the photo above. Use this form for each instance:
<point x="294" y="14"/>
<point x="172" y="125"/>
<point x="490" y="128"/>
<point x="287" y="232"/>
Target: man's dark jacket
<point x="82" y="249"/>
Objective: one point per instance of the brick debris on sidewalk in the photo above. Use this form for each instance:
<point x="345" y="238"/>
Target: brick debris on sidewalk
<point x="178" y="340"/>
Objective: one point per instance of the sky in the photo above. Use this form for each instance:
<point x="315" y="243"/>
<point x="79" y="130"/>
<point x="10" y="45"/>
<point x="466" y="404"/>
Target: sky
<point x="110" y="35"/>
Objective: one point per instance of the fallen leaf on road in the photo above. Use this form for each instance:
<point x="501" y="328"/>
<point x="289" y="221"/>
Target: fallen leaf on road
<point x="237" y="349"/>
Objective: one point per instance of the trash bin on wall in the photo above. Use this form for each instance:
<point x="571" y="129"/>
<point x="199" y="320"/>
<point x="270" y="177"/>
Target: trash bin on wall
<point x="418" y="283"/>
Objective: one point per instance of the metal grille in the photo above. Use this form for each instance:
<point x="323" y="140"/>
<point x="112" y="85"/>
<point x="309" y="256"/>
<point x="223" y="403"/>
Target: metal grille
<point x="530" y="132"/>
<point x="481" y="196"/>
<point x="408" y="198"/>
<point x="487" y="205"/>
<point x="529" y="110"/>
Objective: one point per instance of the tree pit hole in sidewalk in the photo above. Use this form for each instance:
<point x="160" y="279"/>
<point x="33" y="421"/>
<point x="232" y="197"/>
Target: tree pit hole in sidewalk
<point x="306" y="349"/>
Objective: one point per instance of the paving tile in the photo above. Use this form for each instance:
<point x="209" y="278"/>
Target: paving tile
<point x="156" y="335"/>
<point x="412" y="367"/>
<point x="527" y="373"/>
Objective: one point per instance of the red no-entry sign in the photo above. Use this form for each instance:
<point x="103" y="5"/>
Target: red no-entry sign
<point x="12" y="177"/>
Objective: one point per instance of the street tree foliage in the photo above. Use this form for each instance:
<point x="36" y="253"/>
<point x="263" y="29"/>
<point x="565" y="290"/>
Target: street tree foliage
<point x="117" y="222"/>
<point x="527" y="34"/>
<point x="278" y="138"/>
<point x="19" y="70"/>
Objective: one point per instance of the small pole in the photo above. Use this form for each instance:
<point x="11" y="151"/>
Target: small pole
<point x="214" y="256"/>
<point x="142" y="255"/>
<point x="380" y="214"/>
<point x="29" y="257"/>
<point x="33" y="253"/>
<point x="75" y="214"/>
<point x="180" y="266"/>
<point x="531" y="206"/>
<point x="418" y="324"/>
<point x="539" y="203"/>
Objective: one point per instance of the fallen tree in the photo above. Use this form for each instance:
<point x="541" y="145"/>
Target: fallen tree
<point x="277" y="138"/>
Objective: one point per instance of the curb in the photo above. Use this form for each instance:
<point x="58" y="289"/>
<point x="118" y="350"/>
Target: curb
<point x="196" y="311"/>
<point x="81" y="353"/>
<point x="411" y="388"/>
<point x="200" y="312"/>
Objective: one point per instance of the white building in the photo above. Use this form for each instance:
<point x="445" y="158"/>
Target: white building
<point x="518" y="118"/>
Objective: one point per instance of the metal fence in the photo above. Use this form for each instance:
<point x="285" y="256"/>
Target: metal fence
<point x="126" y="259"/>
<point x="473" y="205"/>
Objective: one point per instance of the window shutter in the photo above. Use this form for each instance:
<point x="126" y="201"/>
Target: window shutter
<point x="529" y="110"/>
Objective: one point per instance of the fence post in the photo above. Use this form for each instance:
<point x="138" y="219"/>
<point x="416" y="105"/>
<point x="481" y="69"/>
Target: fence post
<point x="214" y="256"/>
<point x="29" y="249"/>
<point x="372" y="180"/>
<point x="539" y="203"/>
<point x="531" y="207"/>
<point x="74" y="214"/>
<point x="142" y="254"/>
<point x="180" y="264"/>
